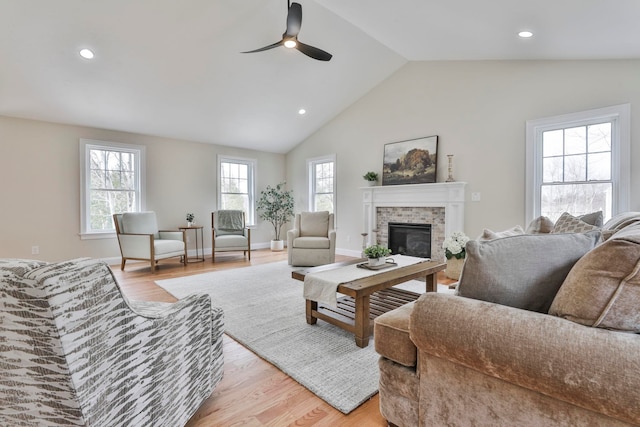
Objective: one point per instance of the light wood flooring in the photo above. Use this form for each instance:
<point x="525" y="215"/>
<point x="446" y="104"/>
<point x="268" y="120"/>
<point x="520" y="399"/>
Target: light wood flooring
<point x="253" y="392"/>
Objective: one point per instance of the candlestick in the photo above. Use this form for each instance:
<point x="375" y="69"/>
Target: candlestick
<point x="450" y="178"/>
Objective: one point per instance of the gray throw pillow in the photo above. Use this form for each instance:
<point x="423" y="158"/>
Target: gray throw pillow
<point x="522" y="271"/>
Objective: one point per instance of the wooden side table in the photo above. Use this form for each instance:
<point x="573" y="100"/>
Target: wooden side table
<point x="199" y="243"/>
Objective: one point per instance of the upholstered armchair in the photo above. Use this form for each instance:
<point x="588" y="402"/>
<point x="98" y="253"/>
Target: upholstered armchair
<point x="312" y="241"/>
<point x="229" y="233"/>
<point x="140" y="239"/>
<point x="75" y="351"/>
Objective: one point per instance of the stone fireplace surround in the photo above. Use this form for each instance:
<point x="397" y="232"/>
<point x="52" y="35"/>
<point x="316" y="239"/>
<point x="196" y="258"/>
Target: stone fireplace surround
<point x="439" y="204"/>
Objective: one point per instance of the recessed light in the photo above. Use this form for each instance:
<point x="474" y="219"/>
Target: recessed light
<point x="86" y="54"/>
<point x="525" y="34"/>
<point x="302" y="111"/>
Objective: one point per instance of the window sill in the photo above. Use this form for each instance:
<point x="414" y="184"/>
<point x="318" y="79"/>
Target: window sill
<point x="94" y="236"/>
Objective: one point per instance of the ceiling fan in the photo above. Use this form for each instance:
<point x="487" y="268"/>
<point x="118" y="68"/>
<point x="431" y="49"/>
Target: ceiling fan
<point x="290" y="36"/>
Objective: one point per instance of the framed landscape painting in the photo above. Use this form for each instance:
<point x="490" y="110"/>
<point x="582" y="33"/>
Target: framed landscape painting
<point x="410" y="162"/>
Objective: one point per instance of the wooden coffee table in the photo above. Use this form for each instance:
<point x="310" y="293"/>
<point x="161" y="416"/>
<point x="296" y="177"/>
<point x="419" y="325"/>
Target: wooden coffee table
<point x="369" y="297"/>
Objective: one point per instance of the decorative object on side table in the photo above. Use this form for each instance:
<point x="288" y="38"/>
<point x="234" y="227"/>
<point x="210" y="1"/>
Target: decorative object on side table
<point x="410" y="162"/>
<point x="190" y="219"/>
<point x="450" y="169"/>
<point x="276" y="206"/>
<point x="371" y="178"/>
<point x="454" y="251"/>
<point x="377" y="255"/>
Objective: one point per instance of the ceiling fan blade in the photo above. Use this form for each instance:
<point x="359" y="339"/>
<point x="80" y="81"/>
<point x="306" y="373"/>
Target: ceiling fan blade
<point x="294" y="20"/>
<point x="313" y="52"/>
<point x="271" y="46"/>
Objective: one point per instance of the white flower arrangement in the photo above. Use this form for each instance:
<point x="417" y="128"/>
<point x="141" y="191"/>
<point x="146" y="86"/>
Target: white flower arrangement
<point x="454" y="245"/>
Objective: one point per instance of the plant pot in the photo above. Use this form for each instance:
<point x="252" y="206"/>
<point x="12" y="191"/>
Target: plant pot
<point x="372" y="183"/>
<point x="375" y="262"/>
<point x="454" y="268"/>
<point x="277" y="245"/>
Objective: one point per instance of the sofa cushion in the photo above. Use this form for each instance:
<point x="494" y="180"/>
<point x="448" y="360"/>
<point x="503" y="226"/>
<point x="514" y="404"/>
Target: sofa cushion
<point x="491" y="235"/>
<point x="391" y="332"/>
<point x="163" y="247"/>
<point x="522" y="271"/>
<point x="230" y="241"/>
<point x="311" y="243"/>
<point x="568" y="223"/>
<point x="593" y="218"/>
<point x="618" y="222"/>
<point x="314" y="223"/>
<point x="603" y="287"/>
<point x="542" y="224"/>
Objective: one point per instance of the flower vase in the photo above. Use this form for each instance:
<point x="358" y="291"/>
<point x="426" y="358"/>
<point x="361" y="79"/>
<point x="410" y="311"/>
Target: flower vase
<point x="454" y="268"/>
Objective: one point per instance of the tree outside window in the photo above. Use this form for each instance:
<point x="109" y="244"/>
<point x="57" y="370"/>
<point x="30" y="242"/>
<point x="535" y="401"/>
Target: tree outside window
<point x="112" y="183"/>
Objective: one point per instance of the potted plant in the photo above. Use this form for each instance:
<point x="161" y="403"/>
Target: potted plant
<point x="276" y="206"/>
<point x="454" y="251"/>
<point x="190" y="219"/>
<point x="377" y="254"/>
<point x="371" y="177"/>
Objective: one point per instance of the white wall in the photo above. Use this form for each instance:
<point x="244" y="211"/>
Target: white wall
<point x="40" y="176"/>
<point x="478" y="109"/>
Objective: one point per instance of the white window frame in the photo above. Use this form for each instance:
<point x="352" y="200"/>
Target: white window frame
<point x="252" y="164"/>
<point x="86" y="145"/>
<point x="311" y="164"/>
<point x="620" y="118"/>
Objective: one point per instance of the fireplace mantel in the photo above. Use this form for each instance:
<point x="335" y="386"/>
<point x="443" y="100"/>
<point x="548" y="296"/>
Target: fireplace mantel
<point x="447" y="195"/>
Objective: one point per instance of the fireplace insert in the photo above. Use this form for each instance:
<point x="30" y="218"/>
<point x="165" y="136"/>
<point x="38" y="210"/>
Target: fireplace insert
<point x="410" y="239"/>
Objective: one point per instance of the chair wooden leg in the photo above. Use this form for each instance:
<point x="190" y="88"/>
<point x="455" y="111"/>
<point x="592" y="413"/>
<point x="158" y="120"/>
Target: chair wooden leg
<point x="122" y="264"/>
<point x="153" y="265"/>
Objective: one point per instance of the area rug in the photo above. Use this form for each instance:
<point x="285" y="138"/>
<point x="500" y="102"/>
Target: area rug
<point x="265" y="311"/>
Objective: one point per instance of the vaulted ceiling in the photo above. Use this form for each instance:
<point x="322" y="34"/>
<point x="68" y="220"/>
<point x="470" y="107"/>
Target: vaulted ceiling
<point x="174" y="68"/>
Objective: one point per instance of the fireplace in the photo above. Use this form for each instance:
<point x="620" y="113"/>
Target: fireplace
<point x="410" y="239"/>
<point x="439" y="204"/>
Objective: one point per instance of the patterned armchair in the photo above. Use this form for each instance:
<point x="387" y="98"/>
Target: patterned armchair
<point x="75" y="351"/>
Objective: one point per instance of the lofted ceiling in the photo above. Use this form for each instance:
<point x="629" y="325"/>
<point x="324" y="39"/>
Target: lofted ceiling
<point x="174" y="68"/>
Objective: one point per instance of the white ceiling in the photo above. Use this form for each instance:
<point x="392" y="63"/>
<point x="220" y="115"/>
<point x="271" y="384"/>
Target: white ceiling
<point x="173" y="68"/>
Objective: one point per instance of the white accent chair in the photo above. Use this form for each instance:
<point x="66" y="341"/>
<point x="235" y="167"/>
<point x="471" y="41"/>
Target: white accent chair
<point x="312" y="241"/>
<point x="230" y="233"/>
<point x="140" y="239"/>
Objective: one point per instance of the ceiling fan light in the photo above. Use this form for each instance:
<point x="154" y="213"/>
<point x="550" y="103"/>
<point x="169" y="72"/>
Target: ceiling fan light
<point x="290" y="43"/>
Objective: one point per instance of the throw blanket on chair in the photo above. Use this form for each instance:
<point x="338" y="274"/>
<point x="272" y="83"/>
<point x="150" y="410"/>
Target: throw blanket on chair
<point x="230" y="220"/>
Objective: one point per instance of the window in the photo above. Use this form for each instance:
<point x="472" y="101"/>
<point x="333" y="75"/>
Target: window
<point x="579" y="163"/>
<point x="322" y="184"/>
<point x="236" y="185"/>
<point x="112" y="181"/>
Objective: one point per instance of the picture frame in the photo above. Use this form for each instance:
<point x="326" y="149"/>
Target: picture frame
<point x="412" y="161"/>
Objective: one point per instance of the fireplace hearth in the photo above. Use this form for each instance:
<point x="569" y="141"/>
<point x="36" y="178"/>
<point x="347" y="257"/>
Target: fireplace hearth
<point x="410" y="239"/>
